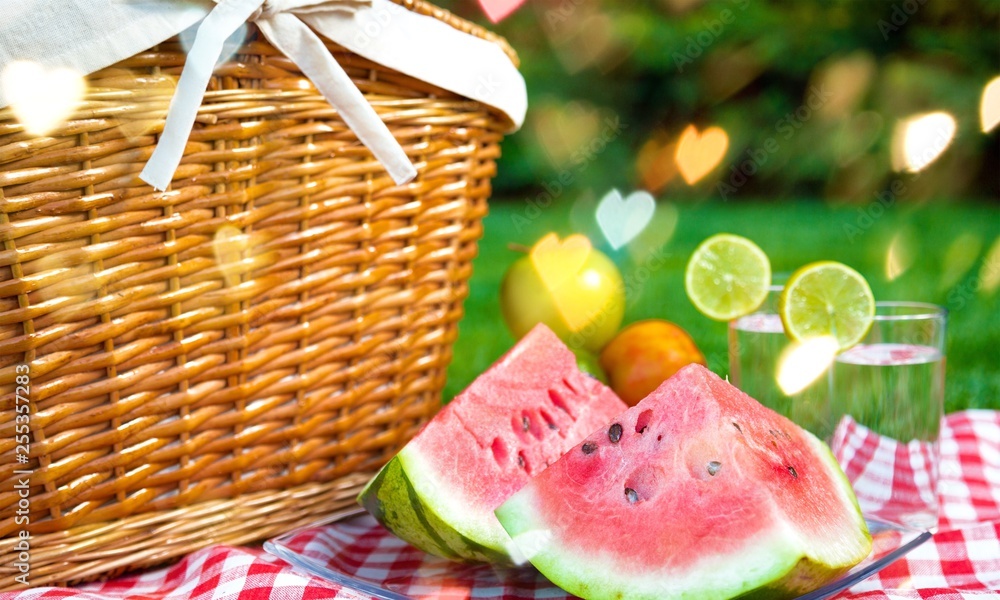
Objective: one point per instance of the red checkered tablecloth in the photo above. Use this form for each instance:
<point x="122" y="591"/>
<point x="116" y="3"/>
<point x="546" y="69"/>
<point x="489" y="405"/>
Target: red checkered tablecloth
<point x="961" y="561"/>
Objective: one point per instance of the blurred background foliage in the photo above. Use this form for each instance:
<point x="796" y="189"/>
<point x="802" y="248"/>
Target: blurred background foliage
<point x="825" y="81"/>
<point x="812" y="96"/>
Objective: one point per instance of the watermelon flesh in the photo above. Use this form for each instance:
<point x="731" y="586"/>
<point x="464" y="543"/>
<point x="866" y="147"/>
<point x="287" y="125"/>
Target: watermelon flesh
<point x="523" y="413"/>
<point x="698" y="491"/>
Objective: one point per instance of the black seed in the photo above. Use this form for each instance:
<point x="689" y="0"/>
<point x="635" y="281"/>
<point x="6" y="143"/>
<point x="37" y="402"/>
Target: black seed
<point x="713" y="467"/>
<point x="631" y="495"/>
<point x="773" y="432"/>
<point x="615" y="432"/>
<point x="525" y="423"/>
<point x="737" y="427"/>
<point x="791" y="470"/>
<point x="553" y="426"/>
<point x="589" y="448"/>
<point x="520" y="461"/>
<point x="644" y="428"/>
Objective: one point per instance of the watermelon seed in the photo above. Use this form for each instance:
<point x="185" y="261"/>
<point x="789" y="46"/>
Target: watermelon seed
<point x="525" y="423"/>
<point x="589" y="448"/>
<point x="521" y="462"/>
<point x="713" y="467"/>
<point x="791" y="470"/>
<point x="548" y="420"/>
<point x="615" y="432"/>
<point x="775" y="444"/>
<point x="631" y="495"/>
<point x="737" y="427"/>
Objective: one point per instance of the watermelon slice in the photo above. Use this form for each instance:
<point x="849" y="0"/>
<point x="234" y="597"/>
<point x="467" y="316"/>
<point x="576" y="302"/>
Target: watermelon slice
<point x="698" y="491"/>
<point x="515" y="419"/>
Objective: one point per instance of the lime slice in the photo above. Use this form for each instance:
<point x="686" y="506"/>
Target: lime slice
<point x="827" y="299"/>
<point x="727" y="277"/>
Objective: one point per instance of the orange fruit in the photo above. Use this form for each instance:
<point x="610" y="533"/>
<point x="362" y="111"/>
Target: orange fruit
<point x="644" y="355"/>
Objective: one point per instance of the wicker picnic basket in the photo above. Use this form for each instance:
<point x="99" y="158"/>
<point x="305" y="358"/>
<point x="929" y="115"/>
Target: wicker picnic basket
<point x="235" y="357"/>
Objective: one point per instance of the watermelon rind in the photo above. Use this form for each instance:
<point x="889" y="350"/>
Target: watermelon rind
<point x="438" y="493"/>
<point x="779" y="561"/>
<point x="784" y="566"/>
<point x="584" y="572"/>
<point x="414" y="514"/>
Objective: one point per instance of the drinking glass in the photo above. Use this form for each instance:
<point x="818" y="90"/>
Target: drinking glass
<point x="887" y="397"/>
<point x="756" y="344"/>
<point x="879" y="406"/>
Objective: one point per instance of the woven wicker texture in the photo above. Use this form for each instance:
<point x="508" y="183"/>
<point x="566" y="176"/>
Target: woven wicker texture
<point x="232" y="358"/>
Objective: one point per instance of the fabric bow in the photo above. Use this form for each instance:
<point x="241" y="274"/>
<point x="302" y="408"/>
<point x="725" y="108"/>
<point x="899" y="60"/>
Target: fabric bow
<point x="279" y="22"/>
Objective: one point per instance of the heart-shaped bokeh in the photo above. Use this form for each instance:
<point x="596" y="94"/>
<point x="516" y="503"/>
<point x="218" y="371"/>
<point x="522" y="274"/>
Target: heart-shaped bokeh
<point x="989" y="106"/>
<point x="42" y="99"/>
<point x="699" y="153"/>
<point x="565" y="130"/>
<point x="920" y="140"/>
<point x="498" y="10"/>
<point x="622" y="219"/>
<point x="656" y="163"/>
<point x="558" y="261"/>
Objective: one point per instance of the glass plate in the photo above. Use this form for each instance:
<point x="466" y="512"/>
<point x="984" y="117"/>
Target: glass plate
<point x="352" y="550"/>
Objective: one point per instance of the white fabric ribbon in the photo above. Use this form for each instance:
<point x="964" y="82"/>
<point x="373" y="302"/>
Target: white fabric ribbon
<point x="87" y="35"/>
<point x="279" y="21"/>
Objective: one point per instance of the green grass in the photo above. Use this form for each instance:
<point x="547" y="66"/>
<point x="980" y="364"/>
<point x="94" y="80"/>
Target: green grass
<point x="931" y="238"/>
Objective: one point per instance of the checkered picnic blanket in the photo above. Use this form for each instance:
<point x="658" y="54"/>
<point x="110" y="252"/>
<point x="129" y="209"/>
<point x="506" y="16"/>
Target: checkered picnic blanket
<point x="961" y="561"/>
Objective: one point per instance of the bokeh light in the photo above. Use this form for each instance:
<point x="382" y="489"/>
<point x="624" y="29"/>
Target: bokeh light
<point x="989" y="106"/>
<point x="901" y="254"/>
<point x="698" y="153"/>
<point x="42" y="99"/>
<point x="622" y="219"/>
<point x="803" y="363"/>
<point x="960" y="256"/>
<point x="229" y="47"/>
<point x="524" y="546"/>
<point x="651" y="242"/>
<point x="145" y="107"/>
<point x="845" y="80"/>
<point x="655" y="162"/>
<point x="229" y="246"/>
<point x="989" y="273"/>
<point x="919" y="140"/>
<point x="565" y="131"/>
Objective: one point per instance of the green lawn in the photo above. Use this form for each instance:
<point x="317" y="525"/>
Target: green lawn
<point x="940" y="254"/>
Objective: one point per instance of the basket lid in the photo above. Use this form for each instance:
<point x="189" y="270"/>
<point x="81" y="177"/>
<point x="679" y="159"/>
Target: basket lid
<point x="87" y="35"/>
<point x="410" y="37"/>
<point x="431" y="10"/>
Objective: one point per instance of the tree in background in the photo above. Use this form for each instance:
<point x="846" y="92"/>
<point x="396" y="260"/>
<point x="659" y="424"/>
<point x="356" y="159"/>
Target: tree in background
<point x="809" y="94"/>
